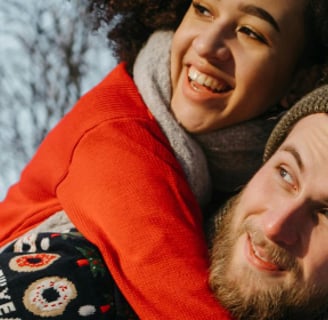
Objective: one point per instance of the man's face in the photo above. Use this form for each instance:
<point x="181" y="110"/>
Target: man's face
<point x="270" y="258"/>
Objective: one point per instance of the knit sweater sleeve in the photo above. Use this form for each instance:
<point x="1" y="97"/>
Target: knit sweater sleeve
<point x="126" y="193"/>
<point x="110" y="168"/>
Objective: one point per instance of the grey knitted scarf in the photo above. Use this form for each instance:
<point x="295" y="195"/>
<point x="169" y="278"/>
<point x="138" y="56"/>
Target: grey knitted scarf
<point x="152" y="77"/>
<point x="230" y="155"/>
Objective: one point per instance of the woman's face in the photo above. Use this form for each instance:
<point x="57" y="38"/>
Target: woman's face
<point x="233" y="59"/>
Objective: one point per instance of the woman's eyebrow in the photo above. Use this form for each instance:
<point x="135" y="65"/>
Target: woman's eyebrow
<point x="260" y="13"/>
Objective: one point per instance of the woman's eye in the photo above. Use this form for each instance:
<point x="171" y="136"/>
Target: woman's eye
<point x="201" y="10"/>
<point x="286" y="176"/>
<point x="251" y="34"/>
<point x="324" y="212"/>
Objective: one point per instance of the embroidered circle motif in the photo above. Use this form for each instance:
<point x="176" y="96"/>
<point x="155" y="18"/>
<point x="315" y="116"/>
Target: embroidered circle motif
<point x="32" y="262"/>
<point x="26" y="243"/>
<point x="49" y="297"/>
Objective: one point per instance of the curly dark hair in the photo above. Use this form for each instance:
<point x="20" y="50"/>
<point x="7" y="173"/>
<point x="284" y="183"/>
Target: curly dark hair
<point x="316" y="28"/>
<point x="132" y="22"/>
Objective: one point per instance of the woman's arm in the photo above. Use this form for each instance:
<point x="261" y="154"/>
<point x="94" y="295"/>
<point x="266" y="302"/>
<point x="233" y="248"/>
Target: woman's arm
<point x="127" y="194"/>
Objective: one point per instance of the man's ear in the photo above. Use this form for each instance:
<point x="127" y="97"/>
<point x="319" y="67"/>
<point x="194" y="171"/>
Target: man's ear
<point x="304" y="81"/>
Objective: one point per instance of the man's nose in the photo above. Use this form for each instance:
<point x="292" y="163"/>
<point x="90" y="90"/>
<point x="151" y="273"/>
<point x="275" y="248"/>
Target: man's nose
<point x="285" y="223"/>
<point x="210" y="43"/>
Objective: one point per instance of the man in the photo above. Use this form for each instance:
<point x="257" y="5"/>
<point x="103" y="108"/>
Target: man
<point x="270" y="256"/>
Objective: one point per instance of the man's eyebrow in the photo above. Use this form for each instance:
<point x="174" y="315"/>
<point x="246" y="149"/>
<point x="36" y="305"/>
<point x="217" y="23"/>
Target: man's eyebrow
<point x="295" y="154"/>
<point x="260" y="13"/>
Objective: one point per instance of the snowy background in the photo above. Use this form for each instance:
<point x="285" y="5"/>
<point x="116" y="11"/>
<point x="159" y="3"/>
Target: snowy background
<point x="49" y="57"/>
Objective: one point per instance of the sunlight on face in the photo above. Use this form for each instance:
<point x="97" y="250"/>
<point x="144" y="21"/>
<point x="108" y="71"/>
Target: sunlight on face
<point x="268" y="261"/>
<point x="233" y="59"/>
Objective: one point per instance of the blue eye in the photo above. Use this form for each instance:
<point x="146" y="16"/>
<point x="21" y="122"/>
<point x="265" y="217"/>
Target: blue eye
<point x="286" y="176"/>
<point x="251" y="34"/>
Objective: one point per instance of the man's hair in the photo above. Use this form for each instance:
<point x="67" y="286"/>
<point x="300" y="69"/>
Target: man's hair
<point x="314" y="102"/>
<point x="132" y="21"/>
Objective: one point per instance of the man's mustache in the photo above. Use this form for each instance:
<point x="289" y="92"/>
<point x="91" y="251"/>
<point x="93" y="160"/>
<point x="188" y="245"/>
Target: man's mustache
<point x="273" y="252"/>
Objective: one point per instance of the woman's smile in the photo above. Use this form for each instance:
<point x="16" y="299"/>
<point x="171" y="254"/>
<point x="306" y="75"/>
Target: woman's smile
<point x="228" y="64"/>
<point x="198" y="79"/>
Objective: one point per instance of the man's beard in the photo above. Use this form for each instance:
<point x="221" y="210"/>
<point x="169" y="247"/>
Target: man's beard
<point x="244" y="296"/>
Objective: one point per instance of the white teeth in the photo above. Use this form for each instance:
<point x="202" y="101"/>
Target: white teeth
<point x="201" y="78"/>
<point x="205" y="80"/>
<point x="257" y="254"/>
<point x="209" y="82"/>
<point x="193" y="74"/>
<point x="260" y="257"/>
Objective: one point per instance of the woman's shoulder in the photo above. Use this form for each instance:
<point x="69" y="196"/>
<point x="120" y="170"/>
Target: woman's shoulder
<point x="115" y="96"/>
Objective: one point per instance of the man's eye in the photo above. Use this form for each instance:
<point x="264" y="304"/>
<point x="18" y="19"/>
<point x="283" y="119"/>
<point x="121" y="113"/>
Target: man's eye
<point x="251" y="34"/>
<point x="201" y="10"/>
<point x="286" y="176"/>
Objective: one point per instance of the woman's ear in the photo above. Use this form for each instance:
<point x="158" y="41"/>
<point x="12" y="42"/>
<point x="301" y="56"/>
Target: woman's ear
<point x="304" y="81"/>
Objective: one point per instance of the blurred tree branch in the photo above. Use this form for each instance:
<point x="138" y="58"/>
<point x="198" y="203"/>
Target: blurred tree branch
<point x="49" y="56"/>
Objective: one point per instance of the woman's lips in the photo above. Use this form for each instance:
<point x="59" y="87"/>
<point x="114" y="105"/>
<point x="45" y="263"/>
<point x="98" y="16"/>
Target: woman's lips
<point x="198" y="78"/>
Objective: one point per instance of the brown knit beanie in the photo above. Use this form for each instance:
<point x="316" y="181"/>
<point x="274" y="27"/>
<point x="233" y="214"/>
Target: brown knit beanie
<point x="314" y="102"/>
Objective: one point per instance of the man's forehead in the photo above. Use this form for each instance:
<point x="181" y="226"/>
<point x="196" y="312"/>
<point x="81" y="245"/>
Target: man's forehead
<point x="307" y="143"/>
<point x="309" y="124"/>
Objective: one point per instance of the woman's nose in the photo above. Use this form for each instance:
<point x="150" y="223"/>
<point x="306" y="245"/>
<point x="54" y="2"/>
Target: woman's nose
<point x="210" y="43"/>
<point x="285" y="223"/>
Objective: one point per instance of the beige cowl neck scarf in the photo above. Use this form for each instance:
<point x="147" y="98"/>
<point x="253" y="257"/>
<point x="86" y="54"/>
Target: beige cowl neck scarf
<point x="230" y="156"/>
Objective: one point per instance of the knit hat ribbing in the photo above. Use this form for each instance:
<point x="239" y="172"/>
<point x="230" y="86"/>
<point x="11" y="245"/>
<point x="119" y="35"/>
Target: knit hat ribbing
<point x="314" y="102"/>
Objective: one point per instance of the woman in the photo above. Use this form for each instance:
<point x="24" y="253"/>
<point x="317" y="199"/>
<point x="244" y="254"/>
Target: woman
<point x="119" y="167"/>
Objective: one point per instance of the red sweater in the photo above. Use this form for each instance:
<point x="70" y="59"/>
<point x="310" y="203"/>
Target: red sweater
<point x="108" y="165"/>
